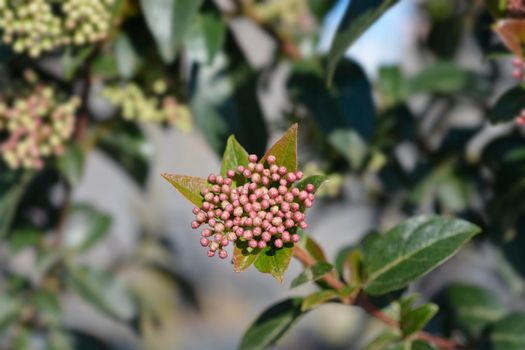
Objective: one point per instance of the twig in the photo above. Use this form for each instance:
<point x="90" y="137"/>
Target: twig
<point x="333" y="281"/>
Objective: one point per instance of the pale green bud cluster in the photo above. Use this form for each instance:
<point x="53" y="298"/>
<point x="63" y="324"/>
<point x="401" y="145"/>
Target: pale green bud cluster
<point x="289" y="16"/>
<point x="156" y="107"/>
<point x="36" y="126"/>
<point x="37" y="26"/>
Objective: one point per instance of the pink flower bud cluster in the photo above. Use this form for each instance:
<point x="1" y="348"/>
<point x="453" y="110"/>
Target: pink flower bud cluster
<point x="36" y="127"/>
<point x="519" y="68"/>
<point x="265" y="209"/>
<point x="520" y="120"/>
<point x="516" y="8"/>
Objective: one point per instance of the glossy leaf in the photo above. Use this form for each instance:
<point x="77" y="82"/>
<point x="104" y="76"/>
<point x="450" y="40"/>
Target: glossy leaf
<point x="411" y="250"/>
<point x="285" y="149"/>
<point x="312" y="273"/>
<point x="169" y="22"/>
<point x="272" y="324"/>
<point x="189" y="186"/>
<point x="275" y="261"/>
<point x="103" y="291"/>
<point x="358" y="17"/>
<point x="318" y="298"/>
<point x="234" y="155"/>
<point x="416" y="319"/>
<point x="71" y="164"/>
<point x="509" y="105"/>
<point x="509" y="332"/>
<point x="316" y="180"/>
<point x="473" y="307"/>
<point x="128" y="147"/>
<point x="86" y="226"/>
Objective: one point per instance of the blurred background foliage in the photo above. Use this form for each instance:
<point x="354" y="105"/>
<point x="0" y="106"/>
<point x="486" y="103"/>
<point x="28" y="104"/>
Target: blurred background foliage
<point x="433" y="132"/>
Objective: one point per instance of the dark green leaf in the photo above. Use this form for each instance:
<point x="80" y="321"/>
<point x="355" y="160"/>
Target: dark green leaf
<point x="103" y="291"/>
<point x="285" y="149"/>
<point x="86" y="226"/>
<point x="509" y="332"/>
<point x="12" y="187"/>
<point x="312" y="273"/>
<point x="272" y="324"/>
<point x="358" y="17"/>
<point x="126" y="144"/>
<point x="71" y="164"/>
<point x="205" y="38"/>
<point x="318" y="298"/>
<point x="473" y="307"/>
<point x="421" y="345"/>
<point x="169" y="22"/>
<point x="189" y="186"/>
<point x="411" y="250"/>
<point x="275" y="261"/>
<point x="509" y="105"/>
<point x="414" y="320"/>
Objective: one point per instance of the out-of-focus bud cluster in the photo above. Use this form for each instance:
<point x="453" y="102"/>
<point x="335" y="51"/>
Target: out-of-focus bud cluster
<point x="265" y="211"/>
<point x="516" y="8"/>
<point x="37" y="26"/>
<point x="157" y="106"/>
<point x="291" y="17"/>
<point x="35" y="126"/>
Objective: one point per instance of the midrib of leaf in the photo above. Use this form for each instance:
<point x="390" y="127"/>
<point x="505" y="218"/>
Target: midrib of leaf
<point x="407" y="257"/>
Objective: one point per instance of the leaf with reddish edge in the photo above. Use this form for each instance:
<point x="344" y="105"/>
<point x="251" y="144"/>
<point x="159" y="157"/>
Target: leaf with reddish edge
<point x="285" y="150"/>
<point x="512" y="33"/>
<point x="275" y="261"/>
<point x="189" y="186"/>
<point x="242" y="257"/>
<point x="234" y="155"/>
<point x="315" y="250"/>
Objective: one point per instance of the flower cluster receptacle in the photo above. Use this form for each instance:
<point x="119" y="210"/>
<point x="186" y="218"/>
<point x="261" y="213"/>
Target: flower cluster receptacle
<point x="37" y="126"/>
<point x="264" y="209"/>
<point x="156" y="107"/>
<point x="38" y="26"/>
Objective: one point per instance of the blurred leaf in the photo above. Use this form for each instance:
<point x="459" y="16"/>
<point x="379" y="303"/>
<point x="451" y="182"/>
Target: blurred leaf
<point x="275" y="261"/>
<point x="285" y="150"/>
<point x="512" y="32"/>
<point x="509" y="332"/>
<point x="86" y="227"/>
<point x="243" y="257"/>
<point x="411" y="250"/>
<point x="509" y="105"/>
<point x="205" y="38"/>
<point x="272" y="324"/>
<point x="71" y="164"/>
<point x="350" y="145"/>
<point x="103" y="291"/>
<point x="384" y="339"/>
<point x="496" y="7"/>
<point x="189" y="186"/>
<point x="9" y="312"/>
<point x="12" y="188"/>
<point x="23" y="238"/>
<point x="47" y="304"/>
<point x="313" y="248"/>
<point x="473" y="307"/>
<point x="358" y="17"/>
<point x="312" y="273"/>
<point x="126" y="144"/>
<point x="422" y="345"/>
<point x="234" y="155"/>
<point x="169" y="22"/>
<point x="392" y="85"/>
<point x="73" y="58"/>
<point x="59" y="340"/>
<point x="415" y="319"/>
<point x="318" y="298"/>
<point x="316" y="180"/>
<point x="127" y="58"/>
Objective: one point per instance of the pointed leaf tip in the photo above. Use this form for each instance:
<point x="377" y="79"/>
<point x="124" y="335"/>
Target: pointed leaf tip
<point x="285" y="149"/>
<point x="189" y="186"/>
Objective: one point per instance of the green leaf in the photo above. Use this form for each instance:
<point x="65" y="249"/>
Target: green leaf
<point x="318" y="298"/>
<point x="59" y="340"/>
<point x="414" y="320"/>
<point x="275" y="261"/>
<point x="358" y="17"/>
<point x="71" y="164"/>
<point x="72" y="59"/>
<point x="509" y="332"/>
<point x="169" y="22"/>
<point x="312" y="273"/>
<point x="313" y="248"/>
<point x="127" y="146"/>
<point x="127" y="58"/>
<point x="473" y="307"/>
<point x="11" y="309"/>
<point x="234" y="155"/>
<point x="411" y="250"/>
<point x="509" y="105"/>
<point x="205" y="39"/>
<point x="12" y="188"/>
<point x="102" y="290"/>
<point x="421" y="345"/>
<point x="316" y="180"/>
<point x="285" y="149"/>
<point x="349" y="144"/>
<point x="243" y="256"/>
<point x="86" y="227"/>
<point x="189" y="186"/>
<point x="383" y="340"/>
<point x="24" y="238"/>
<point x="272" y="324"/>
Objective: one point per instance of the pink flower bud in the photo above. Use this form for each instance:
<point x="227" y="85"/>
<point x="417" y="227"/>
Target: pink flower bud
<point x="286" y="236"/>
<point x="211" y="254"/>
<point x="195" y="224"/>
<point x="240" y="169"/>
<point x="291" y="177"/>
<point x="275" y="177"/>
<point x="266" y="236"/>
<point x="289" y="223"/>
<point x="204" y="242"/>
<point x="299" y="175"/>
<point x="256" y="178"/>
<point x="278" y="243"/>
<point x="230" y="174"/>
<point x="310" y="188"/>
<point x="271" y="159"/>
<point x="261" y="244"/>
<point x="252" y="158"/>
<point x="288" y="197"/>
<point x="303" y="225"/>
<point x="259" y="168"/>
<point x="196" y="210"/>
<point x="223" y="254"/>
<point x="308" y="203"/>
<point x="282" y="170"/>
<point x="248" y="235"/>
<point x="212" y="178"/>
<point x="206" y="233"/>
<point x="296" y="238"/>
<point x="225" y="242"/>
<point x="219" y="180"/>
<point x="246" y="173"/>
<point x="252" y="243"/>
